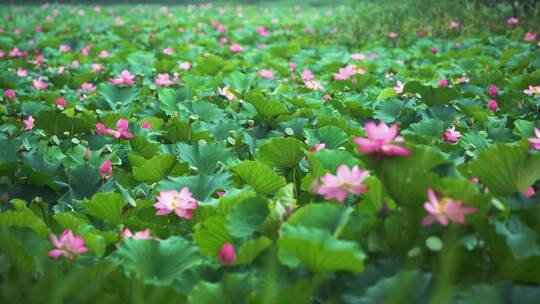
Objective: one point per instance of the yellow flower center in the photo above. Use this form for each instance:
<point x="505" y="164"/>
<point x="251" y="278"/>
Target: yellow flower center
<point x="442" y="204"/>
<point x="176" y="198"/>
<point x="344" y="185"/>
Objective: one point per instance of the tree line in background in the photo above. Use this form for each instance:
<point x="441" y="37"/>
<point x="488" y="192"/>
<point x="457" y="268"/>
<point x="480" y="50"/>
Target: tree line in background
<point x="525" y="7"/>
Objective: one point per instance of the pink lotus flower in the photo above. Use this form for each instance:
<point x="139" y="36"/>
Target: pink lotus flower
<point x="218" y="26"/>
<point x="87" y="153"/>
<point x="103" y="54"/>
<point x="358" y="56"/>
<point x="125" y="78"/>
<point x="64" y="48"/>
<point x="16" y="53"/>
<point x="227" y="93"/>
<point x="262" y="31"/>
<point x="68" y="245"/>
<point x="443" y="83"/>
<point x="399" y="87"/>
<point x="451" y="135"/>
<point x="454" y="25"/>
<point x="139" y="235"/>
<point x="463" y="79"/>
<point x="529" y="193"/>
<point x="39" y="59"/>
<point x="122" y="126"/>
<point x="87" y="86"/>
<point x="61" y="102"/>
<point x="101" y="129"/>
<point x="86" y="50"/>
<point x="105" y="169"/>
<point x="317" y="147"/>
<point x="2" y="54"/>
<point x="9" y="94"/>
<point x="381" y="139"/>
<point x="492" y="105"/>
<point x="532" y="90"/>
<point x="493" y="90"/>
<point x="168" y="51"/>
<point x="40" y="84"/>
<point x="535" y="141"/>
<point x="119" y="21"/>
<point x="530" y="36"/>
<point x="267" y="74"/>
<point x="392" y="35"/>
<point x="185" y="65"/>
<point x="444" y="210"/>
<point x="121" y="129"/>
<point x="147" y="125"/>
<point x="512" y="21"/>
<point x="292" y="66"/>
<point x="434" y="50"/>
<point x="60" y="70"/>
<point x="29" y="123"/>
<point x="421" y="34"/>
<point x="226" y="254"/>
<point x="96" y="67"/>
<point x="22" y="72"/>
<point x="327" y="97"/>
<point x="344" y="182"/>
<point x="307" y="75"/>
<point x="163" y="80"/>
<point x="345" y="73"/>
<point x="236" y="48"/>
<point x="313" y="85"/>
<point x="182" y="203"/>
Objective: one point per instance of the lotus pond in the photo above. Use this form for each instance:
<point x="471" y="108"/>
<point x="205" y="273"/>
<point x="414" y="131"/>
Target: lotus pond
<point x="266" y="154"/>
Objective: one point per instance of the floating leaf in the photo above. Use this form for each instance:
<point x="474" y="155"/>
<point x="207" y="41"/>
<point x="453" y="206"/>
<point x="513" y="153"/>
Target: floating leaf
<point x="106" y="206"/>
<point x="506" y="168"/>
<point x="387" y="93"/>
<point x="259" y="176"/>
<point x="281" y="152"/>
<point x="233" y="288"/>
<point x="251" y="249"/>
<point x="211" y="234"/>
<point x="332" y="136"/>
<point x="158" y="262"/>
<point x="407" y="178"/>
<point x="321" y="216"/>
<point x="117" y="96"/>
<point x="155" y="169"/>
<point x="266" y="108"/>
<point x="202" y="186"/>
<point x="204" y="157"/>
<point x="170" y="98"/>
<point x="318" y="250"/>
<point x="143" y="146"/>
<point x="25" y="218"/>
<point x="430" y="95"/>
<point x="246" y="216"/>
